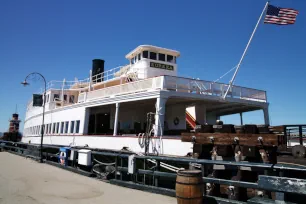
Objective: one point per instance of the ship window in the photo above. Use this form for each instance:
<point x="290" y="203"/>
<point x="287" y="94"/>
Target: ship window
<point x="50" y="125"/>
<point x="77" y="128"/>
<point x="135" y="59"/>
<point x="132" y="60"/>
<point x="65" y="97"/>
<point x="57" y="128"/>
<point x="139" y="56"/>
<point x="62" y="127"/>
<point x="66" y="126"/>
<point x="47" y="128"/>
<point x="53" y="131"/>
<point x="170" y="58"/>
<point x="72" y="127"/>
<point x="161" y="57"/>
<point x="153" y="55"/>
<point x="145" y="54"/>
<point x="71" y="99"/>
<point x="56" y="97"/>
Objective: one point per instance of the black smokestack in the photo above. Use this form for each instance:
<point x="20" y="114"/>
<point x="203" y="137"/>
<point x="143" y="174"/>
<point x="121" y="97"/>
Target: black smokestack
<point x="97" y="68"/>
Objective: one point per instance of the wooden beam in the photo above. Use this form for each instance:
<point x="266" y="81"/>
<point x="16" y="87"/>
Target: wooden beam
<point x="282" y="184"/>
<point x="229" y="138"/>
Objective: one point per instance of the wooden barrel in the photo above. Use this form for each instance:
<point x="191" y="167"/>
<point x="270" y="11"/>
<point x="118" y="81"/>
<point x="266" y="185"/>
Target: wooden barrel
<point x="189" y="187"/>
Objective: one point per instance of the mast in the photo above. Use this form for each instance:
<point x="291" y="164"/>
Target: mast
<point x="245" y="50"/>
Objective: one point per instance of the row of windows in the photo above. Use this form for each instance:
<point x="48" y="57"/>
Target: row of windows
<point x="57" y="97"/>
<point x="154" y="56"/>
<point x="65" y="127"/>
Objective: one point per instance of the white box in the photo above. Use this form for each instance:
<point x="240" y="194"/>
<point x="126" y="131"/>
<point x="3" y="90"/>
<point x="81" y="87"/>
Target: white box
<point x="73" y="154"/>
<point x="131" y="166"/>
<point x="84" y="157"/>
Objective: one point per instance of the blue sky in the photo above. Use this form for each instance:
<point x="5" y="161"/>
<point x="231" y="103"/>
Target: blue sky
<point x="60" y="38"/>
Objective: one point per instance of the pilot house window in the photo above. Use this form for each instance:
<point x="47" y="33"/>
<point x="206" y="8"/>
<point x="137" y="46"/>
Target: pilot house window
<point x="161" y="57"/>
<point x="170" y="58"/>
<point x="153" y="55"/>
<point x="71" y="99"/>
<point x="56" y="97"/>
<point x="145" y="54"/>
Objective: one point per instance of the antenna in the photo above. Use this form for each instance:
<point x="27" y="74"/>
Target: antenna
<point x="16" y="109"/>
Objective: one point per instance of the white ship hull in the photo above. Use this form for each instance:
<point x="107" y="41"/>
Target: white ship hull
<point x="168" y="146"/>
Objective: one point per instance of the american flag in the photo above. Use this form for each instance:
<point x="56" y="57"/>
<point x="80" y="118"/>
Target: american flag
<point x="280" y="16"/>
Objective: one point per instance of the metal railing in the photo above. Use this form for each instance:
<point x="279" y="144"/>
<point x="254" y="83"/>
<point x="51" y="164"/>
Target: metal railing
<point x="107" y="75"/>
<point x="150" y="177"/>
<point x="127" y="88"/>
<point x="196" y="86"/>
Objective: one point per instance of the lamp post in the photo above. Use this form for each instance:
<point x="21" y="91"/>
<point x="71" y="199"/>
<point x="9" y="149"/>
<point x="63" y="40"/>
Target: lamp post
<point x="25" y="83"/>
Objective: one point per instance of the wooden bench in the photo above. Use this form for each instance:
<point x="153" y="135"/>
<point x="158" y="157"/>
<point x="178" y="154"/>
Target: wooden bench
<point x="280" y="185"/>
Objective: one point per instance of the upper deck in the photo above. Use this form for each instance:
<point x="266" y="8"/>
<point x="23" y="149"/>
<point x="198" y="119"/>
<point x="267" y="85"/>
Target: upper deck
<point x="150" y="69"/>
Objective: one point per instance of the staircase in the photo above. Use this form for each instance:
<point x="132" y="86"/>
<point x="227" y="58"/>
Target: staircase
<point x="190" y="121"/>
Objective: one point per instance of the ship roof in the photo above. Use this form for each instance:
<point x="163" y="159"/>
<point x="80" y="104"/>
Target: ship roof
<point x="141" y="48"/>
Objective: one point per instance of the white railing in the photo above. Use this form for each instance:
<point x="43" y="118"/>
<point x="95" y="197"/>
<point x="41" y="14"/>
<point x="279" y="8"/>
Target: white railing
<point x="109" y="74"/>
<point x="170" y="83"/>
<point x="180" y="84"/>
<point x="131" y="87"/>
<point x="76" y="84"/>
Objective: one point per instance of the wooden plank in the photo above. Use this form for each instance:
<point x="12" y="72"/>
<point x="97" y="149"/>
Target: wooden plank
<point x="282" y="184"/>
<point x="277" y="128"/>
<point x="228" y="138"/>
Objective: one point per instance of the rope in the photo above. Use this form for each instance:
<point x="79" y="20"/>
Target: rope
<point x="102" y="163"/>
<point x="162" y="164"/>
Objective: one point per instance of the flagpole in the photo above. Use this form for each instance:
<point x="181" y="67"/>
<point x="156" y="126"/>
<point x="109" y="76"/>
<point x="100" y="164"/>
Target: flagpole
<point x="245" y="50"/>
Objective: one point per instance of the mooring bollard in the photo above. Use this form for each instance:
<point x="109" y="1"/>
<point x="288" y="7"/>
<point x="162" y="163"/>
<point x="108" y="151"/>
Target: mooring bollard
<point x="189" y="187"/>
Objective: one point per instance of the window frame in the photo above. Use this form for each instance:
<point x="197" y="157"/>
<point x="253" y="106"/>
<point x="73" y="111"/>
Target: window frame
<point x="50" y="128"/>
<point x="58" y="97"/>
<point x="172" y="61"/>
<point x="57" y="127"/>
<point x="47" y="128"/>
<point x="62" y="127"/>
<point x="72" y="123"/>
<point x="66" y="127"/>
<point x="150" y="55"/>
<point x="53" y="128"/>
<point x="71" y="97"/>
<point x="159" y="57"/>
<point x="77" y="126"/>
<point x="143" y="56"/>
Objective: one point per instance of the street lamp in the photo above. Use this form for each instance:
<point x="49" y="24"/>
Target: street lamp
<point x="25" y="83"/>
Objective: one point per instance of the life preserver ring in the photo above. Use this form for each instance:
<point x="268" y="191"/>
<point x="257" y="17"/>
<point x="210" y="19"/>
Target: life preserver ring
<point x="176" y="121"/>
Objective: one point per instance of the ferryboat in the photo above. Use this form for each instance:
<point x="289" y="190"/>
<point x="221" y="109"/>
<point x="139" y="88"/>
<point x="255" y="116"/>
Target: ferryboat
<point x="111" y="108"/>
